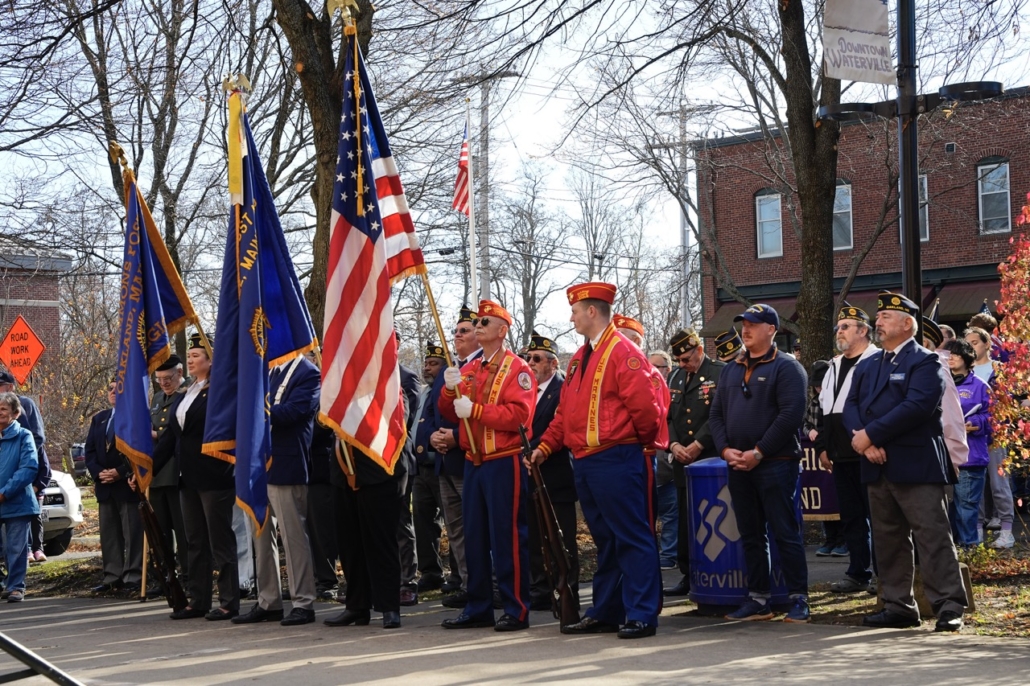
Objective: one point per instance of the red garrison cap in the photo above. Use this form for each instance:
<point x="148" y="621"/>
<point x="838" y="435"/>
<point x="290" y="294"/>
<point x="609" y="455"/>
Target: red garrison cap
<point x="623" y="322"/>
<point x="488" y="308"/>
<point x="593" y="290"/>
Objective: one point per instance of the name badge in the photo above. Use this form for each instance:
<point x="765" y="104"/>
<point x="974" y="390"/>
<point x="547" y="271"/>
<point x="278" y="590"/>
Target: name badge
<point x="900" y="376"/>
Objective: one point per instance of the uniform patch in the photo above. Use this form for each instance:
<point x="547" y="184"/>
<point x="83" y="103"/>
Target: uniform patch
<point x="633" y="363"/>
<point x="524" y="381"/>
<point x="572" y="367"/>
<point x="654" y="381"/>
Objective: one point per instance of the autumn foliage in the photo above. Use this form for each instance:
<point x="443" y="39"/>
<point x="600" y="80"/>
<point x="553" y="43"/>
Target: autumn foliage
<point x="1011" y="416"/>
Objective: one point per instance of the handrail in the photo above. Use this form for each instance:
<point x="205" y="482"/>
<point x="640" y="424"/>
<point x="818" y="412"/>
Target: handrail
<point x="36" y="665"/>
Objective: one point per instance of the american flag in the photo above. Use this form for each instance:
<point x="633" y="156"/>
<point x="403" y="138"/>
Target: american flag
<point x="461" y="184"/>
<point x="372" y="243"/>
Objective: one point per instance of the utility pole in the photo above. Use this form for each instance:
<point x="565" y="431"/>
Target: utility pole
<point x="681" y="181"/>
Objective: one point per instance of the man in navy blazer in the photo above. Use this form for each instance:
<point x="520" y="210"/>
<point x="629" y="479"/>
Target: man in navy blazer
<point x="293" y="394"/>
<point x="556" y="472"/>
<point x="121" y="529"/>
<point x="894" y="413"/>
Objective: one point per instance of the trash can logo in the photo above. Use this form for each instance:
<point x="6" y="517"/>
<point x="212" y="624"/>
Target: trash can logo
<point x="718" y="525"/>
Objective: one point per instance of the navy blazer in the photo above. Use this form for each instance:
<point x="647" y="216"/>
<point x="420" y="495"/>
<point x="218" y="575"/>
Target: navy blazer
<point x="292" y="422"/>
<point x="197" y="471"/>
<point x="411" y="386"/>
<point x="556" y="469"/>
<point x="101" y="455"/>
<point x="899" y="406"/>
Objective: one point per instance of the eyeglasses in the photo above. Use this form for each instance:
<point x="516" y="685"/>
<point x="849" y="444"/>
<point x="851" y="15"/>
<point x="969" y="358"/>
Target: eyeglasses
<point x="845" y="327"/>
<point x="661" y="366"/>
<point x="537" y="358"/>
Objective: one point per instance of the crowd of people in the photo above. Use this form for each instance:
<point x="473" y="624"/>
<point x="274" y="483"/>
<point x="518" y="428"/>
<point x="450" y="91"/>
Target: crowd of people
<point x="902" y="424"/>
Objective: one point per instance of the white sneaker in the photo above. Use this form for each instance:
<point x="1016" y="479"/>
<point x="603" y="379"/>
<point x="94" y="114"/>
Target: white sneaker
<point x="1005" y="539"/>
<point x="994" y="524"/>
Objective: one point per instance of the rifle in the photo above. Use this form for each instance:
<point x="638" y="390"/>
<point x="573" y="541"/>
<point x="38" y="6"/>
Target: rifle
<point x="557" y="562"/>
<point x="160" y="551"/>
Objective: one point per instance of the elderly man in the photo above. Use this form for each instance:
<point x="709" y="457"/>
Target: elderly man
<point x="556" y="472"/>
<point x="164" y="488"/>
<point x="893" y="413"/>
<point x="853" y="335"/>
<point x="728" y="345"/>
<point x="498" y="394"/>
<point x="630" y="328"/>
<point x="610" y="408"/>
<point x="692" y="386"/>
<point x="757" y="412"/>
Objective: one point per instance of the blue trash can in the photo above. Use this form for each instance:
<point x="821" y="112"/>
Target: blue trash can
<point x="718" y="572"/>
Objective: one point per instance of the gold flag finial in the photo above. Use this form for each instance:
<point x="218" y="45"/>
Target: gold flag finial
<point x="349" y="8"/>
<point x="117" y="154"/>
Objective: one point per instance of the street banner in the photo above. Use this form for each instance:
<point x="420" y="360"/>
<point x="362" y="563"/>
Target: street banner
<point x="856" y="41"/>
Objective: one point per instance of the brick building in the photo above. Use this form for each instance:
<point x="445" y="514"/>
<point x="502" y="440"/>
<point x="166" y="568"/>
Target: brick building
<point x="29" y="287"/>
<point x="974" y="177"/>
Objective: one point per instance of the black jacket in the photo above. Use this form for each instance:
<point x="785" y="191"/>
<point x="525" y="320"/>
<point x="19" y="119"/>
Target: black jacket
<point x="557" y="469"/>
<point x="197" y="471"/>
<point x="100" y="455"/>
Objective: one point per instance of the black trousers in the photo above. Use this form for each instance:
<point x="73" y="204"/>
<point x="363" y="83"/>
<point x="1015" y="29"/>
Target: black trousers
<point x="168" y="509"/>
<point x="321" y="526"/>
<point x="539" y="584"/>
<point x="207" y="516"/>
<point x="366" y="533"/>
<point x="427" y="512"/>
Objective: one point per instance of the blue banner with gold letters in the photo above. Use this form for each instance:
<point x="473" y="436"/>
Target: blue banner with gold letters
<point x="262" y="322"/>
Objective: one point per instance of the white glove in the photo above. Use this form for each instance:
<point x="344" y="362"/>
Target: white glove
<point x="463" y="408"/>
<point x="451" y="377"/>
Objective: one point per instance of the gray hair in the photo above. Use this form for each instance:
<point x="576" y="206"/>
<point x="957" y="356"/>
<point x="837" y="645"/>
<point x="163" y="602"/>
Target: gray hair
<point x="662" y="354"/>
<point x="12" y="401"/>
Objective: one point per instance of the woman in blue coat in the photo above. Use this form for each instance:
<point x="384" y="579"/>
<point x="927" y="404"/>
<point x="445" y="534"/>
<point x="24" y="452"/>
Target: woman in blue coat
<point x="18" y="504"/>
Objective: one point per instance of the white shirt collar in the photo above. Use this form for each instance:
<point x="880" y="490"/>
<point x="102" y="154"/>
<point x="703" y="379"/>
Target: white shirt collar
<point x="543" y="387"/>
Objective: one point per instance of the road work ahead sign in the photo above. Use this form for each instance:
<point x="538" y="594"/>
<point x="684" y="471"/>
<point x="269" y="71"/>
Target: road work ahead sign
<point x="21" y="349"/>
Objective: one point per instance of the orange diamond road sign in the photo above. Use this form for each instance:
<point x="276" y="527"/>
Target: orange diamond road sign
<point x="21" y="349"/>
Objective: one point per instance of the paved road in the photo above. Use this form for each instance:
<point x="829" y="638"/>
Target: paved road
<point x="124" y="642"/>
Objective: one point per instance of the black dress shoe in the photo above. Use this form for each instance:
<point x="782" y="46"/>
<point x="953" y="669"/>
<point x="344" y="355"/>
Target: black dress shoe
<point x="297" y="616"/>
<point x="885" y="619"/>
<point x="107" y="588"/>
<point x="429" y="582"/>
<point x="348" y="617"/>
<point x="463" y="621"/>
<point x="408" y="597"/>
<point x="589" y="625"/>
<point x="327" y="594"/>
<point x="540" y="604"/>
<point x="948" y="621"/>
<point x="130" y="590"/>
<point x="635" y="629"/>
<point x="457" y="600"/>
<point x="258" y="614"/>
<point x="682" y="588"/>
<point x="188" y="613"/>
<point x="220" y="614"/>
<point x="391" y="620"/>
<point x="450" y="586"/>
<point x="510" y="623"/>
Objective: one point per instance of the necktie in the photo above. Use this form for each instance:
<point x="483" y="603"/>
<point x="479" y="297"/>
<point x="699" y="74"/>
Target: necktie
<point x="888" y="359"/>
<point x="586" y="355"/>
<point x="110" y="428"/>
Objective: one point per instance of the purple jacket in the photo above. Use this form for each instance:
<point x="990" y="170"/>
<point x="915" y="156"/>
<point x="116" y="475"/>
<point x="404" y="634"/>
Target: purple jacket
<point x="972" y="391"/>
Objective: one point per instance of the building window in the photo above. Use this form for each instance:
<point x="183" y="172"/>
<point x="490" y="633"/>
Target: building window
<point x="924" y="212"/>
<point x="993" y="190"/>
<point x="769" y="224"/>
<point x="842" y="217"/>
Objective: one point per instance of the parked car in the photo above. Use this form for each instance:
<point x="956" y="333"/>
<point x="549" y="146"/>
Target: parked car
<point x="62" y="512"/>
<point x="78" y="459"/>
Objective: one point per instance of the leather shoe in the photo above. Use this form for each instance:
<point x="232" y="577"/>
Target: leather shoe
<point x="391" y="620"/>
<point x="408" y="597"/>
<point x="509" y="623"/>
<point x="682" y="588"/>
<point x="457" y="600"/>
<point x="589" y="625"/>
<point x="463" y="621"/>
<point x="429" y="582"/>
<point x="187" y="613"/>
<point x="220" y="614"/>
<point x="948" y="621"/>
<point x="107" y="588"/>
<point x="885" y="619"/>
<point x="297" y="616"/>
<point x="348" y="617"/>
<point x="636" y="629"/>
<point x="450" y="586"/>
<point x="258" y="614"/>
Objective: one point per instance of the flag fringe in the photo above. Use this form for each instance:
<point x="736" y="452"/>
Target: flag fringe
<point x="259" y="526"/>
<point x="137" y="460"/>
<point x="410" y="271"/>
<point x="327" y="421"/>
<point x="217" y="449"/>
<point x="313" y="345"/>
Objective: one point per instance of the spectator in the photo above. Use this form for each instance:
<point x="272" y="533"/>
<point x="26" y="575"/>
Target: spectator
<point x="32" y="420"/>
<point x="975" y="398"/>
<point x="18" y="504"/>
<point x="728" y="345"/>
<point x="998" y="496"/>
<point x="947" y="332"/>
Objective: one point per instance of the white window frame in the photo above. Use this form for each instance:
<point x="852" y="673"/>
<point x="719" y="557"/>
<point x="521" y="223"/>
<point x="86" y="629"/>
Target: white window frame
<point x="851" y="221"/>
<point x="981" y="172"/>
<point x="924" y="211"/>
<point x="759" y="222"/>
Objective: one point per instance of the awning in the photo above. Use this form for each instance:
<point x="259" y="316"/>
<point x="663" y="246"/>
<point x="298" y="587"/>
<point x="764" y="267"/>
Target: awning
<point x="722" y="320"/>
<point x="960" y="301"/>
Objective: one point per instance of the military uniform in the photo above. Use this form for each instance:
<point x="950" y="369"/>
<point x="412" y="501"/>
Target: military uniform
<point x="164" y="488"/>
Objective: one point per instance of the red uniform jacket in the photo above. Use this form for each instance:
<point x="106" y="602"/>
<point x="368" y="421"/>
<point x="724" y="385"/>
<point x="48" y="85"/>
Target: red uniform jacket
<point x="614" y="399"/>
<point x="503" y="396"/>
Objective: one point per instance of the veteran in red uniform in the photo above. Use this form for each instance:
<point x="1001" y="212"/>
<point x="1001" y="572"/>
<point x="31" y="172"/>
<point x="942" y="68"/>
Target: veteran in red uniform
<point x="609" y="410"/>
<point x="498" y="393"/>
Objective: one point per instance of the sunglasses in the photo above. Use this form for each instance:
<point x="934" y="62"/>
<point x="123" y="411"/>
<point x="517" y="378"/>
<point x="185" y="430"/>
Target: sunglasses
<point x="463" y="332"/>
<point x="744" y="389"/>
<point x="537" y="358"/>
<point x="484" y="322"/>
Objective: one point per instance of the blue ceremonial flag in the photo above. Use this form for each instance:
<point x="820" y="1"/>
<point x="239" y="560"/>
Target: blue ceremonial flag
<point x="934" y="315"/>
<point x="154" y="307"/>
<point x="262" y="321"/>
<point x="985" y="308"/>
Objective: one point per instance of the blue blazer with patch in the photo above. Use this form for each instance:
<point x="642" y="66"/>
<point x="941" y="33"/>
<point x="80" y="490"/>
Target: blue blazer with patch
<point x="899" y="406"/>
<point x="556" y="469"/>
<point x="293" y="421"/>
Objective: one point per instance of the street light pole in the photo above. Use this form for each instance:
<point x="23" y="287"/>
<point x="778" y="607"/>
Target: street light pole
<point x="909" y="108"/>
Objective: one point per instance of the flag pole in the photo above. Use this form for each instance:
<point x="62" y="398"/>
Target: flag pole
<point x="446" y="348"/>
<point x="472" y="211"/>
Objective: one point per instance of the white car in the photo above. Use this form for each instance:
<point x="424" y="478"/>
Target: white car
<point x="62" y="512"/>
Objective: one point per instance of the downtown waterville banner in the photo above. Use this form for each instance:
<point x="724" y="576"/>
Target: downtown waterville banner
<point x="154" y="307"/>
<point x="856" y="41"/>
<point x="263" y="320"/>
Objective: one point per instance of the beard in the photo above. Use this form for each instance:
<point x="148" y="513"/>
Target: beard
<point x="841" y="345"/>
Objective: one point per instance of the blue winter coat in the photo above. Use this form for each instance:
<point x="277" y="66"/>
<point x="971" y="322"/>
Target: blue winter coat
<point x="18" y="465"/>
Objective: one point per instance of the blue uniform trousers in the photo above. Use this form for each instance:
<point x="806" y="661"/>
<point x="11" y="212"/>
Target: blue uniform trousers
<point x="616" y="491"/>
<point x="493" y="506"/>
